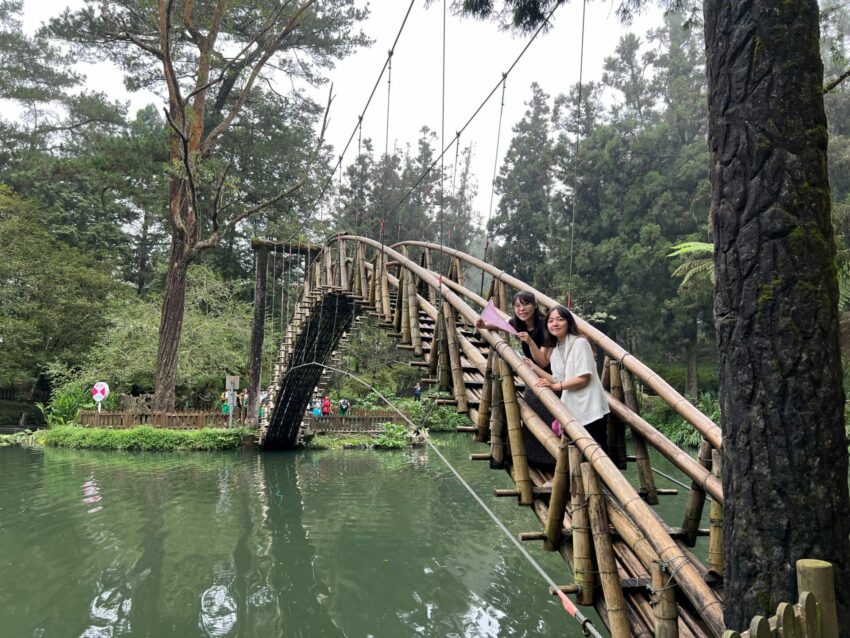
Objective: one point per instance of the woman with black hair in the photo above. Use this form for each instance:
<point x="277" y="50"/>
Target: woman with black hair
<point x="537" y="345"/>
<point x="574" y="375"/>
<point x="530" y="325"/>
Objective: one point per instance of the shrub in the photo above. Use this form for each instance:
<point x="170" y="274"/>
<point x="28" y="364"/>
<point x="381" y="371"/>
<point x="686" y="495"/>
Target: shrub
<point x="394" y="437"/>
<point x="67" y="401"/>
<point x="144" y="438"/>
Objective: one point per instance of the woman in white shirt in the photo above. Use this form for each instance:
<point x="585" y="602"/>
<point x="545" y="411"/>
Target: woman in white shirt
<point x="574" y="372"/>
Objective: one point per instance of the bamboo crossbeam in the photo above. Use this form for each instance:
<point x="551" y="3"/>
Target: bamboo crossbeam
<point x="295" y="248"/>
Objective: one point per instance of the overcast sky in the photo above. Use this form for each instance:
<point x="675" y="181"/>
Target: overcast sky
<point x="477" y="54"/>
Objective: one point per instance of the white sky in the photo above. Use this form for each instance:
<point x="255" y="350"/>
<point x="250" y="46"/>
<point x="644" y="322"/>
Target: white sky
<point x="477" y="53"/>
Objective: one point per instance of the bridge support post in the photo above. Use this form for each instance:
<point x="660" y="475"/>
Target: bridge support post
<point x="454" y="356"/>
<point x="519" y="460"/>
<point x="644" y="468"/>
<point x="497" y="420"/>
<point x="665" y="610"/>
<point x="413" y="309"/>
<point x="558" y="500"/>
<point x="443" y="354"/>
<point x="404" y="300"/>
<point x="615" y="603"/>
<point x="385" y="290"/>
<point x="483" y="424"/>
<point x="343" y="266"/>
<point x="715" y="535"/>
<point x="616" y="432"/>
<point x="696" y="499"/>
<point x="582" y="542"/>
<point x="257" y="332"/>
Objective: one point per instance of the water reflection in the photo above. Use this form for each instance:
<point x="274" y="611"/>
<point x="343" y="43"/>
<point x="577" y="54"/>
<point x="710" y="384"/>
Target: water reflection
<point x="337" y="543"/>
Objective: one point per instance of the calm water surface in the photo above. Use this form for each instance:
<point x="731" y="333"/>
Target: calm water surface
<point x="333" y="543"/>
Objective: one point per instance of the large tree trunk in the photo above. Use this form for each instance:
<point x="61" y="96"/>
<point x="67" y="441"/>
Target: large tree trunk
<point x="785" y="451"/>
<point x="171" y="326"/>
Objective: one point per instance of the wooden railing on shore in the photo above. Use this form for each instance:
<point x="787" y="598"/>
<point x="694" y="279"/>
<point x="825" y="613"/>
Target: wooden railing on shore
<point x="170" y="420"/>
<point x="349" y="424"/>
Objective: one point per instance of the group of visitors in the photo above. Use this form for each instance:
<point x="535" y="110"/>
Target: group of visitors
<point x="563" y="360"/>
<point x="324" y="407"/>
<point x="240" y="404"/>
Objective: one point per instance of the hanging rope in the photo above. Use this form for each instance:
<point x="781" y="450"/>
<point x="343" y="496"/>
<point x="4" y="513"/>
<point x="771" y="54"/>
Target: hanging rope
<point x="493" y="181"/>
<point x="575" y="174"/>
<point x="389" y="87"/>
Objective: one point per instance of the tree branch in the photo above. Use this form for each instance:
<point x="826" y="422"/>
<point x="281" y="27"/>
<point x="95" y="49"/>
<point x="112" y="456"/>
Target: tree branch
<point x="216" y="235"/>
<point x="190" y="176"/>
<point x="836" y="82"/>
<point x="175" y="100"/>
<point x="270" y="50"/>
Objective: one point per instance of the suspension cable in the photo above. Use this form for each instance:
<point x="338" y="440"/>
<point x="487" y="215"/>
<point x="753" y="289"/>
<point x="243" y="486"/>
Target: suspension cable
<point x="493" y="181"/>
<point x="575" y="174"/>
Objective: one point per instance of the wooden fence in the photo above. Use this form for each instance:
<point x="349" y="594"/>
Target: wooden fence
<point x="813" y="617"/>
<point x="170" y="420"/>
<point x="349" y="424"/>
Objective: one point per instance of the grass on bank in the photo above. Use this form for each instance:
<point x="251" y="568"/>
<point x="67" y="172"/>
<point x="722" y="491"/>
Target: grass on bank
<point x="143" y="438"/>
<point x="393" y="437"/>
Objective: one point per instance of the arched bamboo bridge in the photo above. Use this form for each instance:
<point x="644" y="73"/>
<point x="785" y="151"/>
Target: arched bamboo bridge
<point x="638" y="571"/>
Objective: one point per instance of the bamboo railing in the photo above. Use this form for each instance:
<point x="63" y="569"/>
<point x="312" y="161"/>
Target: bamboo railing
<point x="431" y="315"/>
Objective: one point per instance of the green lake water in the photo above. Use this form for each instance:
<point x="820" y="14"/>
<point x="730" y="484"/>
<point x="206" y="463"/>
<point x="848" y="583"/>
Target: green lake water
<point x="350" y="543"/>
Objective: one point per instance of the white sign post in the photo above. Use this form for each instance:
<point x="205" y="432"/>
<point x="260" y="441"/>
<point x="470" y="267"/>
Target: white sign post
<point x="99" y="392"/>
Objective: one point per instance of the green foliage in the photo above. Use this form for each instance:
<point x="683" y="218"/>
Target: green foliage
<point x="54" y="298"/>
<point x="67" y="400"/>
<point x="661" y="416"/>
<point x="216" y="336"/>
<point x="143" y="439"/>
<point x="394" y="437"/>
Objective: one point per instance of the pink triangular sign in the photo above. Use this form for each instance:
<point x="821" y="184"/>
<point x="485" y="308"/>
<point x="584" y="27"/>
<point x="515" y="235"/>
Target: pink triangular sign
<point x="491" y="316"/>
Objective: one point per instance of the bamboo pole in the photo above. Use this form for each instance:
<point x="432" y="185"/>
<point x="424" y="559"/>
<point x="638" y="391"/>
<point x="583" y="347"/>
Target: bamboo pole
<point x="373" y="287"/>
<point x="398" y="310"/>
<point x="715" y="537"/>
<point x="444" y="358"/>
<point x="696" y="499"/>
<point x="434" y="352"/>
<point x="454" y="357"/>
<point x="385" y="290"/>
<point x="558" y="500"/>
<point x="497" y="421"/>
<point x="343" y="267"/>
<point x="403" y="292"/>
<point x="609" y="576"/>
<point x="503" y="296"/>
<point x="644" y="468"/>
<point x="519" y="461"/>
<point x="364" y="276"/>
<point x="329" y="275"/>
<point x="582" y="542"/>
<point x="665" y="610"/>
<point x="482" y="435"/>
<point x="413" y="309"/>
<point x="616" y="428"/>
<point x="429" y="265"/>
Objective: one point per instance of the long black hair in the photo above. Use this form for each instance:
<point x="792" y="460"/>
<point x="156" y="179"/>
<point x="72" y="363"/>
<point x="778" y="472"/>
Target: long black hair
<point x="539" y="333"/>
<point x="572" y="326"/>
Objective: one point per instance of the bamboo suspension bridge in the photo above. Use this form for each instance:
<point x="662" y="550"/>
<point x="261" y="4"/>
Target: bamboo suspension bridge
<point x="638" y="571"/>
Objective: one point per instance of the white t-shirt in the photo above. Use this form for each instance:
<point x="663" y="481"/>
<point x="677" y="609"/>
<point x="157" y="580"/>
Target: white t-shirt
<point x="571" y="358"/>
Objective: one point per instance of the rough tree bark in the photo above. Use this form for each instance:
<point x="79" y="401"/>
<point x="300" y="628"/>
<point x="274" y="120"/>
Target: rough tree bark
<point x="785" y="450"/>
